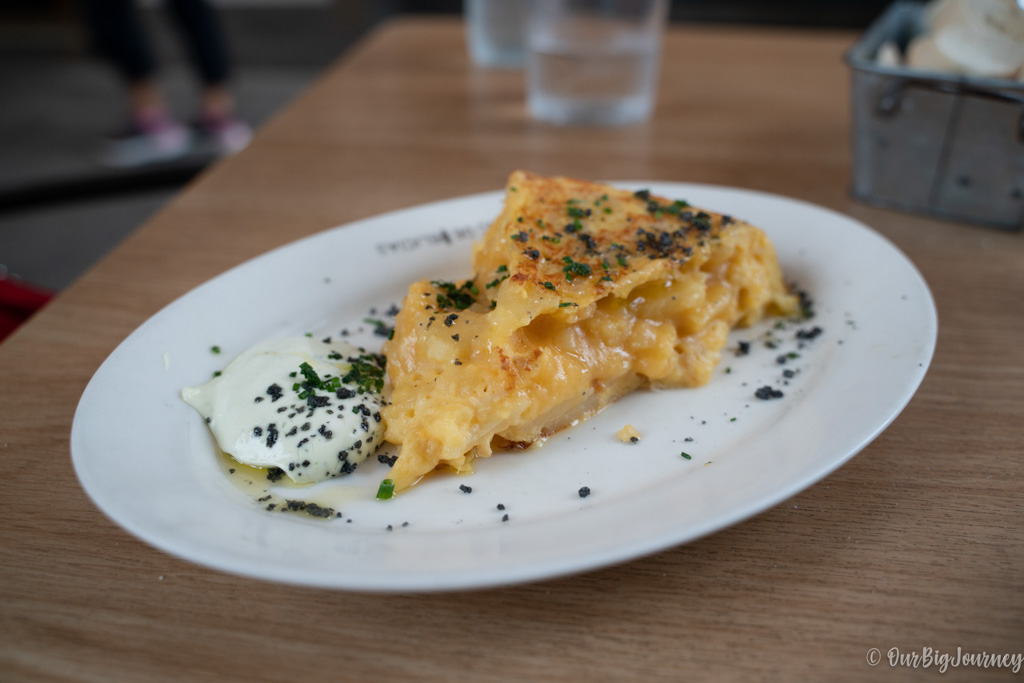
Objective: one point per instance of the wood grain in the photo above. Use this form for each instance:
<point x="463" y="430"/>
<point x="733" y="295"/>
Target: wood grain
<point x="917" y="542"/>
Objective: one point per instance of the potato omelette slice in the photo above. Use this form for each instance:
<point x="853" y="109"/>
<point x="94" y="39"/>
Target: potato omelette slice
<point x="580" y="294"/>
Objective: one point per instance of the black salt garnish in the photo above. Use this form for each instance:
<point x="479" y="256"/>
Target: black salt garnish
<point x="766" y="393"/>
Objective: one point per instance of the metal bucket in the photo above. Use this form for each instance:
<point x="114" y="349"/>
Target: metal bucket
<point x="944" y="145"/>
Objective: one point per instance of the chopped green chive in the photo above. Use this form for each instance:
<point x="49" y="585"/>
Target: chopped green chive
<point x="548" y="285"/>
<point x="702" y="221"/>
<point x="574" y="268"/>
<point x="309" y="373"/>
<point x="367" y="373"/>
<point x="455" y="296"/>
<point x="674" y="209"/>
<point x="214" y="349"/>
<point x="386" y="490"/>
<point x="685" y="455"/>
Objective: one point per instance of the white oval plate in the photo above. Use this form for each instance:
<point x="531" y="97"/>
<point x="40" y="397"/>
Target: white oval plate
<point x="148" y="461"/>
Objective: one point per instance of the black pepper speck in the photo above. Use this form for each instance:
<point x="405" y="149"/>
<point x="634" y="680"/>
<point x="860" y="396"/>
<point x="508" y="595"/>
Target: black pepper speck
<point x="766" y="393"/>
<point x="807" y="335"/>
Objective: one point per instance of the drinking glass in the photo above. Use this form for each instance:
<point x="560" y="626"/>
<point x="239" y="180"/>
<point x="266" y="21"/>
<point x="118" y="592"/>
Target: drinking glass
<point x="593" y="62"/>
<point x="494" y="32"/>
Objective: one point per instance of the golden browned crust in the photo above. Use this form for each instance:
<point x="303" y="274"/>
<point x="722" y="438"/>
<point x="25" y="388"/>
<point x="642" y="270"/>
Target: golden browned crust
<point x="580" y="294"/>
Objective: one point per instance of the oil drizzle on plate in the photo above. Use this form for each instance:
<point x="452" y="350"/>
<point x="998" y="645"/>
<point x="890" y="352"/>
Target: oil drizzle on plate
<point x="318" y="501"/>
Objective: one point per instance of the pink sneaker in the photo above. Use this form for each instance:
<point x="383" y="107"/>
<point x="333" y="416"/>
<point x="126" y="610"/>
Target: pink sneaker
<point x="223" y="136"/>
<point x="147" y="141"/>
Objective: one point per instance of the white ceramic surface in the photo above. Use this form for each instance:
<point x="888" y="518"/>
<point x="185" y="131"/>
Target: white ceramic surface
<point x="148" y="461"/>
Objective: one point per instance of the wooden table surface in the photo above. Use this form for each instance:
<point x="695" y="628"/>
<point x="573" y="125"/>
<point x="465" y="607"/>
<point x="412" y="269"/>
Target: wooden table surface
<point x="917" y="542"/>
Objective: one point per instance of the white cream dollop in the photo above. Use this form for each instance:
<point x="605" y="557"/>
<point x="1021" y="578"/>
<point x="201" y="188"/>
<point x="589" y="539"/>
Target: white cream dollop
<point x="283" y="403"/>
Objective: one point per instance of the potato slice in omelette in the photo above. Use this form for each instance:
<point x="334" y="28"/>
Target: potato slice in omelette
<point x="580" y="294"/>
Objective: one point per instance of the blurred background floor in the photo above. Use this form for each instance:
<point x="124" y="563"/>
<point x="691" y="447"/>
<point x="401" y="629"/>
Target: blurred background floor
<point x="60" y="211"/>
<point x="64" y="211"/>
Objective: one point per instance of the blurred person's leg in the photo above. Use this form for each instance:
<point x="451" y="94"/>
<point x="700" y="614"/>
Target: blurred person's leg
<point x="202" y="30"/>
<point x="152" y="134"/>
<point x="119" y="36"/>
